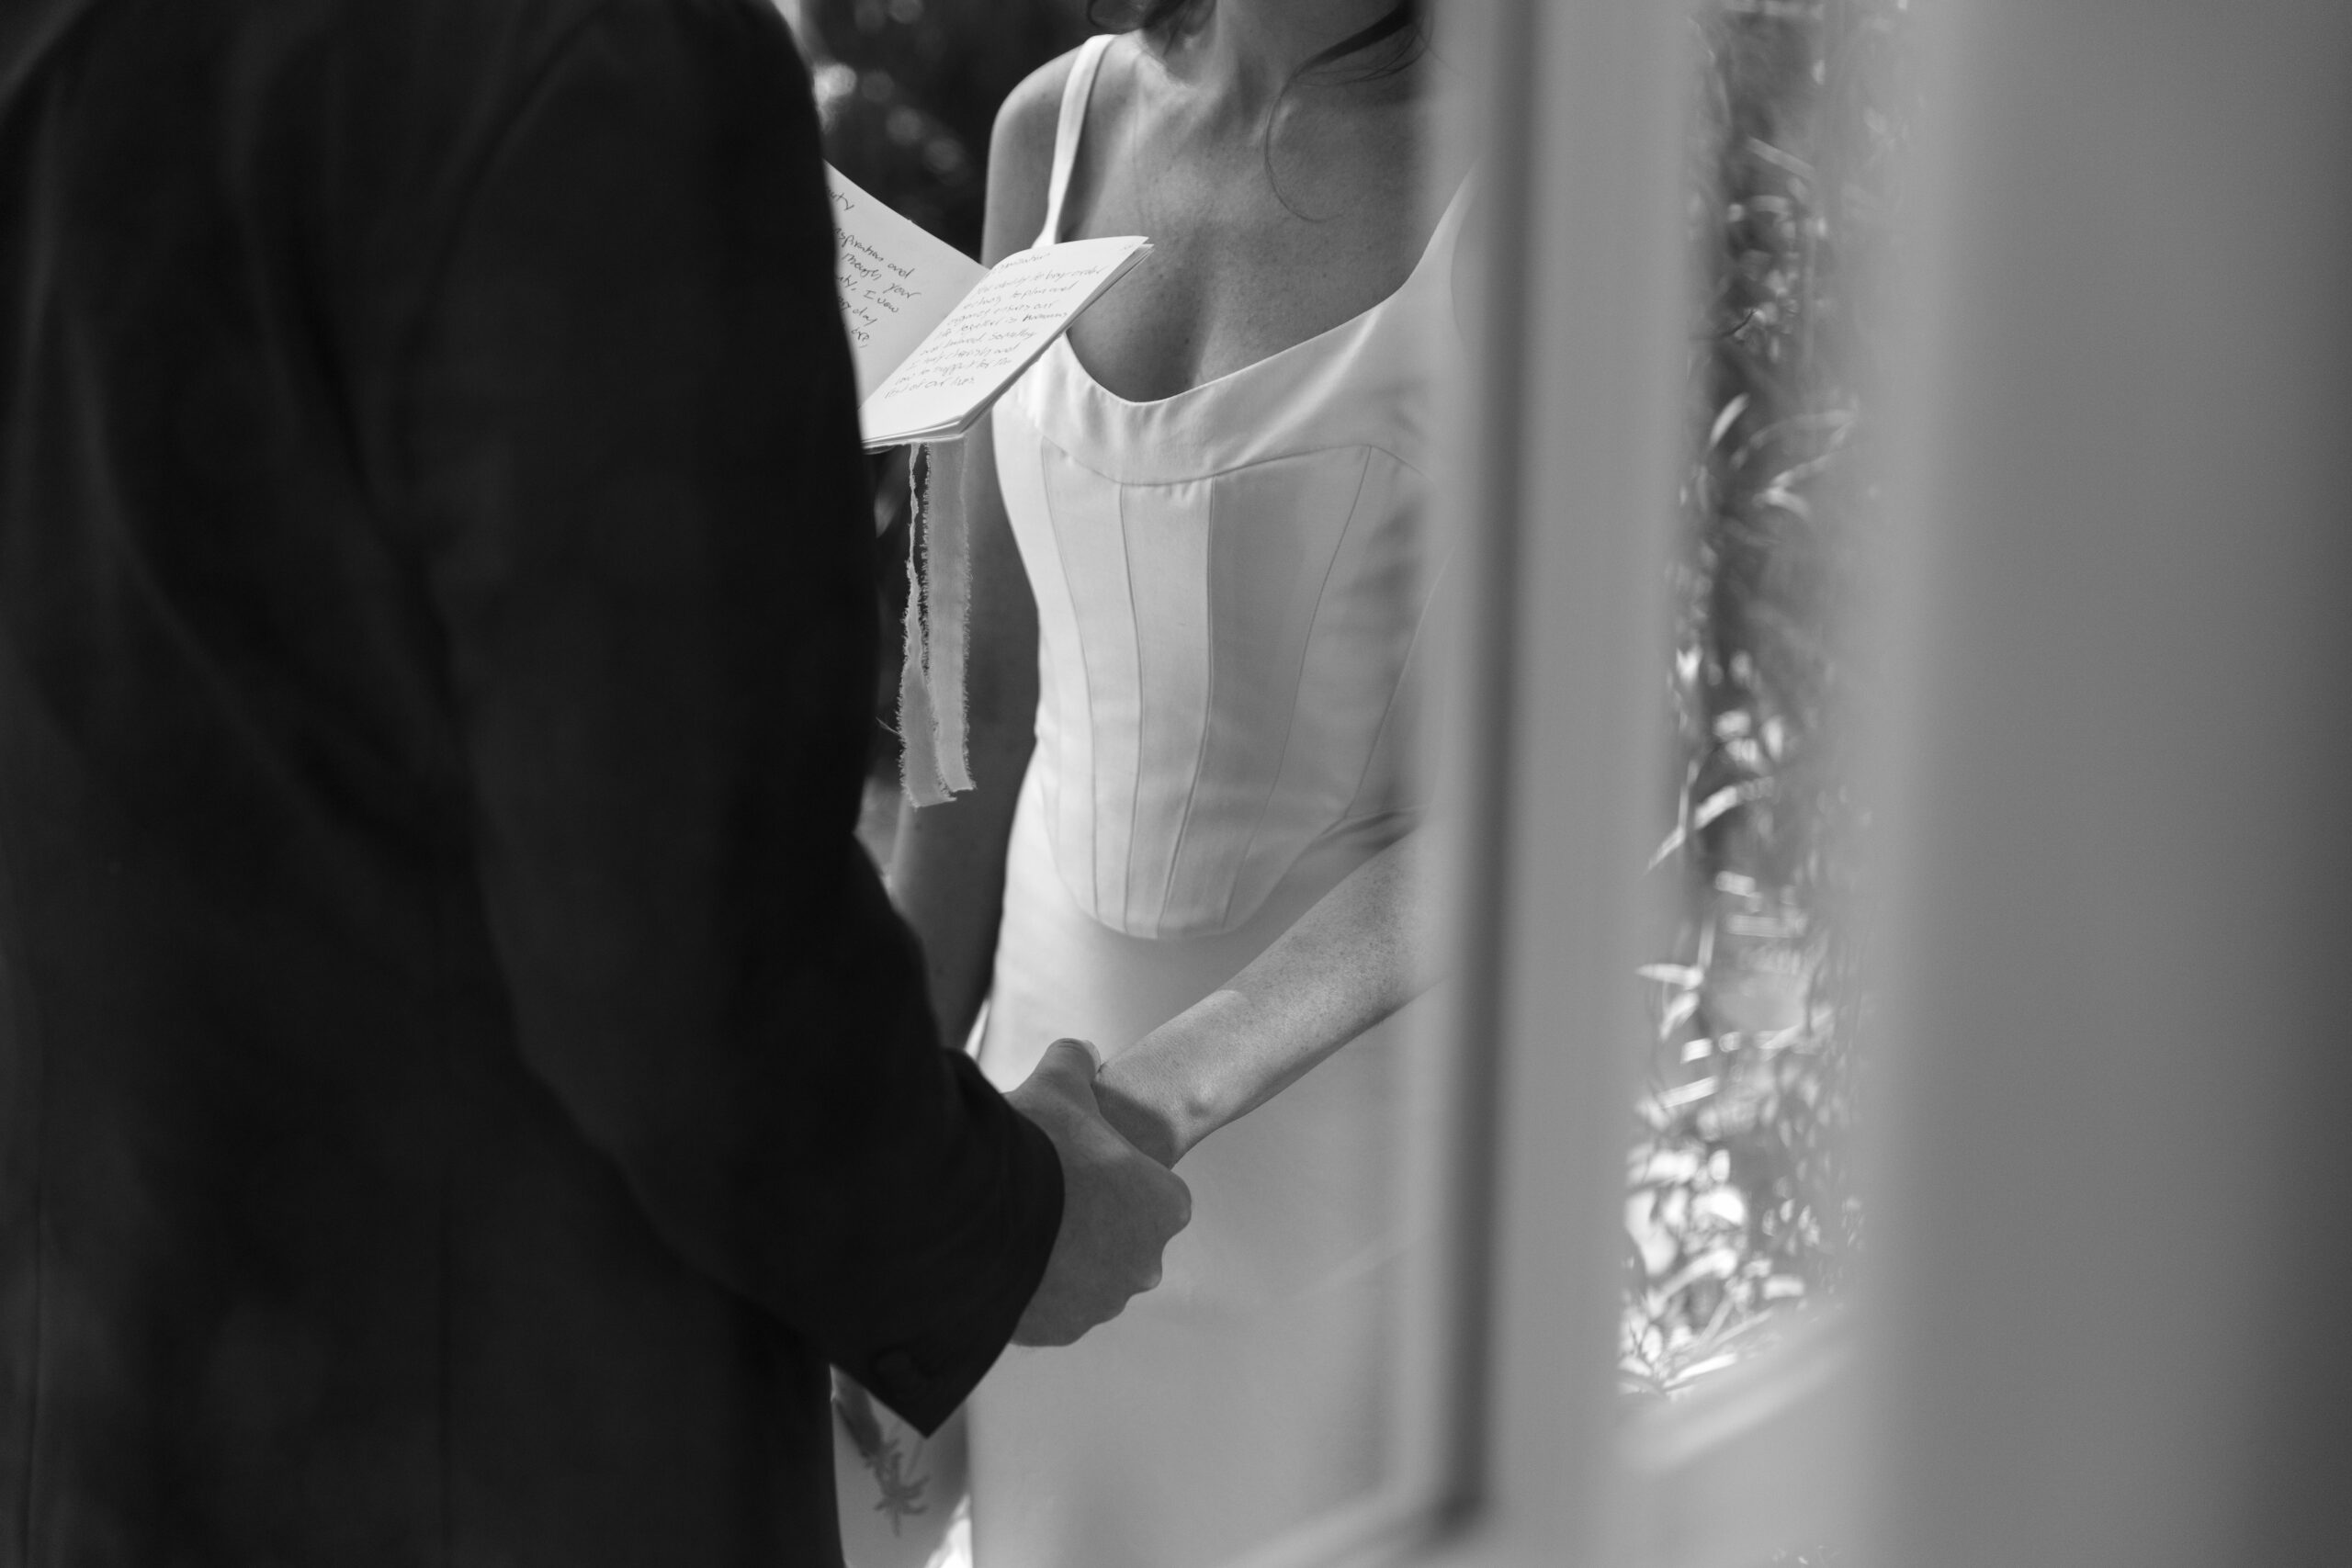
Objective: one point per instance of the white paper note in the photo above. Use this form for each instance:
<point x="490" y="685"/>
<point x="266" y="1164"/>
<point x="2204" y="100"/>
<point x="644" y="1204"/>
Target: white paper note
<point x="896" y="282"/>
<point x="991" y="336"/>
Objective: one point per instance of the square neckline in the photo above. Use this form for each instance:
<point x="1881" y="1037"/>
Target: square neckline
<point x="1077" y="94"/>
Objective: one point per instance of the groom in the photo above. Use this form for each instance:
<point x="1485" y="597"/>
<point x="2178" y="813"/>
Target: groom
<point x="460" y="1081"/>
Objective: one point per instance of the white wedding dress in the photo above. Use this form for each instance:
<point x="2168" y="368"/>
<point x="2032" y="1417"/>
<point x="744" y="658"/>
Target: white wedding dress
<point x="1231" y="585"/>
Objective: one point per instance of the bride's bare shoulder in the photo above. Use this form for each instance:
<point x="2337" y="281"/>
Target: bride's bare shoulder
<point x="1021" y="157"/>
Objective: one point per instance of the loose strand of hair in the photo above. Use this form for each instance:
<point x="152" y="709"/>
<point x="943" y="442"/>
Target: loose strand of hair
<point x="1164" y="21"/>
<point x="1400" y="23"/>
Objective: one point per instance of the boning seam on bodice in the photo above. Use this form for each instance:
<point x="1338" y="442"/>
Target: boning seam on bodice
<point x="1200" y="752"/>
<point x="1059" y="780"/>
<point x="1039" y="443"/>
<point x="1143" y="684"/>
<point x="1290" y="726"/>
<point x="1389" y="711"/>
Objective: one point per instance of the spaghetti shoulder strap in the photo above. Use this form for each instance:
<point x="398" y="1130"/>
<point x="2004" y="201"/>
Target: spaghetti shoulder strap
<point x="1437" y="261"/>
<point x="1074" y="94"/>
<point x="1449" y="222"/>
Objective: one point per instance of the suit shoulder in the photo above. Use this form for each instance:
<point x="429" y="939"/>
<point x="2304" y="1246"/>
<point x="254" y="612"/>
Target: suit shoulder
<point x="509" y="42"/>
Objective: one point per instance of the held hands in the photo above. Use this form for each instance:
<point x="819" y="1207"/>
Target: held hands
<point x="1120" y="1207"/>
<point x="1136" y="1102"/>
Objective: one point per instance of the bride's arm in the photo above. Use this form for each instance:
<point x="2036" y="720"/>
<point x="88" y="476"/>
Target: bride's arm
<point x="1368" y="947"/>
<point x="947" y="868"/>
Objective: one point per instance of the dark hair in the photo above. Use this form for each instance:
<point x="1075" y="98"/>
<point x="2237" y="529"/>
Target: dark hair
<point x="1399" y="28"/>
<point x="1163" y="19"/>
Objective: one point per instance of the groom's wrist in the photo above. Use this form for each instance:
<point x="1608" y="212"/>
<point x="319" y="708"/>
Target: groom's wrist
<point x="983" y="1293"/>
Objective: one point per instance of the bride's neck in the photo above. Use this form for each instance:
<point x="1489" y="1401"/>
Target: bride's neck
<point x="1253" y="48"/>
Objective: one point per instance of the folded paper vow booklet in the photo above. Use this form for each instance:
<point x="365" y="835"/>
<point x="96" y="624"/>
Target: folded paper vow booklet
<point x="937" y="336"/>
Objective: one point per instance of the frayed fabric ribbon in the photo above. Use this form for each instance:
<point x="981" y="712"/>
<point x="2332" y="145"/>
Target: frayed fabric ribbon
<point x="935" y="765"/>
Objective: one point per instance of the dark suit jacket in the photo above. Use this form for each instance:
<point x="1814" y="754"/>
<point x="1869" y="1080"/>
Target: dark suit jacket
<point x="459" y="1080"/>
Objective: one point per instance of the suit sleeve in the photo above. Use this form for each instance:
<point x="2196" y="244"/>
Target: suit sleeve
<point x="646" y="532"/>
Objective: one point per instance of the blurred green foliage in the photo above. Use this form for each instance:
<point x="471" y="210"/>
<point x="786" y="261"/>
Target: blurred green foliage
<point x="1741" y="1204"/>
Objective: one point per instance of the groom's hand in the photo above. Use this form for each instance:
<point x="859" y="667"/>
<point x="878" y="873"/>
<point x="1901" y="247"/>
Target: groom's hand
<point x="1120" y="1207"/>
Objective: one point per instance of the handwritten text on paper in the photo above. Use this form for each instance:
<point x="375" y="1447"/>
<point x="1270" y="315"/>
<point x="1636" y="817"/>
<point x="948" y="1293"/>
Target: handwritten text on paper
<point x="1027" y="296"/>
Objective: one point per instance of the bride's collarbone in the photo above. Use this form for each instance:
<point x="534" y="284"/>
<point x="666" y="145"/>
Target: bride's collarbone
<point x="1199" y="310"/>
<point x="1248" y="260"/>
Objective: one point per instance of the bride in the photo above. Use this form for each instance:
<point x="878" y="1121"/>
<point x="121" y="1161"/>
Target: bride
<point x="1199" y="578"/>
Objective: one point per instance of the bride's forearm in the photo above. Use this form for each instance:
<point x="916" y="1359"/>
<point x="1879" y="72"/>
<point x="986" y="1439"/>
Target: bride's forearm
<point x="1367" y="948"/>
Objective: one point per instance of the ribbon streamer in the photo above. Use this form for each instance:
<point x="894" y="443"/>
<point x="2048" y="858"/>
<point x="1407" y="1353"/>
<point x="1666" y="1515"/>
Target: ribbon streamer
<point x="935" y="765"/>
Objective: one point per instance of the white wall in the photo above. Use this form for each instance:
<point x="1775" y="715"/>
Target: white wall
<point x="2110" y="1135"/>
<point x="2108" y="1203"/>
